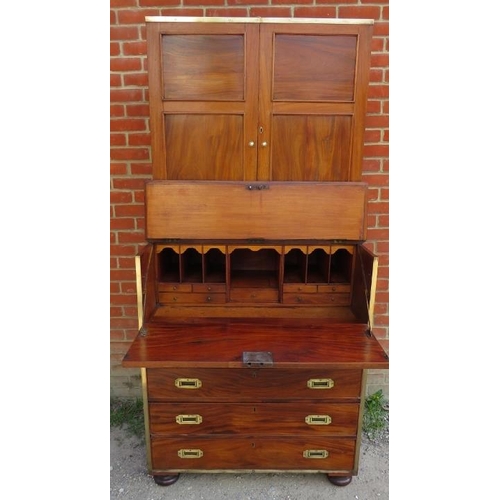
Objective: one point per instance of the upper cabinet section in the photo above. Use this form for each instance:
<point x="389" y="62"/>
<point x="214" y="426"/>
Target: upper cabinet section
<point x="258" y="99"/>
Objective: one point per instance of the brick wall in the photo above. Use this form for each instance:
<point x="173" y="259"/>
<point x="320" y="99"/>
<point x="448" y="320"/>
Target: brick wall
<point x="131" y="155"/>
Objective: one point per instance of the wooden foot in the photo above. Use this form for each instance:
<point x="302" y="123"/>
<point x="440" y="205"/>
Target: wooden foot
<point x="166" y="480"/>
<point x="339" y="480"/>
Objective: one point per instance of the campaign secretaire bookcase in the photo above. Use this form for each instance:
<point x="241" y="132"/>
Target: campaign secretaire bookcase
<point x="255" y="291"/>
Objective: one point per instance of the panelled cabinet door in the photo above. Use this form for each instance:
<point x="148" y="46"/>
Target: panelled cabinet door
<point x="203" y="81"/>
<point x="258" y="99"/>
<point x="313" y="83"/>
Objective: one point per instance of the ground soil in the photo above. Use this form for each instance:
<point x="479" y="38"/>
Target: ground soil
<point x="130" y="479"/>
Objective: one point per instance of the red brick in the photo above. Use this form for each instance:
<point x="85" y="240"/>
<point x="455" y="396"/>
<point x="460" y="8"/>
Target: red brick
<point x="129" y="237"/>
<point x="322" y="12"/>
<point x="117" y="110"/>
<point x="132" y="184"/>
<point x="117" y="224"/>
<point x="114" y="49"/>
<point x="381" y="29"/>
<point x="383" y="221"/>
<point x="135" y="79"/>
<point x="143" y="169"/>
<point x="116" y="4"/>
<point x="139" y="139"/>
<point x="378" y="207"/>
<point x="121" y="33"/>
<point x="196" y="3"/>
<point x="128" y="211"/>
<point x="120" y="197"/>
<point x="118" y="169"/>
<point x="138" y="110"/>
<point x="371" y="150"/>
<point x="158" y="3"/>
<point x="361" y="12"/>
<point x="236" y="2"/>
<point x="125" y="64"/>
<point x="134" y="48"/>
<point x="379" y="60"/>
<point x="182" y="12"/>
<point x="135" y="16"/>
<point x="124" y="250"/>
<point x="230" y="12"/>
<point x="127" y="124"/>
<point x="376" y="179"/>
<point x="115" y="80"/>
<point x="371" y="165"/>
<point x="126" y="95"/>
<point x="129" y="154"/>
<point x="270" y="12"/>
<point x="378" y="91"/>
<point x="117" y="140"/>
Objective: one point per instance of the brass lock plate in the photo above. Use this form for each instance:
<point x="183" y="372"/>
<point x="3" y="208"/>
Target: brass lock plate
<point x="255" y="359"/>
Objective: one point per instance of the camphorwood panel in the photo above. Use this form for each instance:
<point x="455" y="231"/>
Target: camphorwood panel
<point x="271" y="210"/>
<point x="271" y="418"/>
<point x="252" y="452"/>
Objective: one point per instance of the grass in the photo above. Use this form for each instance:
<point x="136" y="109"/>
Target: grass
<point x="128" y="414"/>
<point x="376" y="416"/>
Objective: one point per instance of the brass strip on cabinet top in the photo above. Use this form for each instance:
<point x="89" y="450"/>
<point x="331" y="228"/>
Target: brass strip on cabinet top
<point x="245" y="20"/>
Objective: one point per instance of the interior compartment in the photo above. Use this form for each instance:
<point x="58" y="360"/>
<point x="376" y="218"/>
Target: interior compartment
<point x="168" y="265"/>
<point x="191" y="266"/>
<point x="214" y="266"/>
<point x="341" y="266"/>
<point x="254" y="268"/>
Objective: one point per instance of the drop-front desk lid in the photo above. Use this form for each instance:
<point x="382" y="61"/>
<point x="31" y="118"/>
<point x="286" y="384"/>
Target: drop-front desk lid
<point x="260" y="342"/>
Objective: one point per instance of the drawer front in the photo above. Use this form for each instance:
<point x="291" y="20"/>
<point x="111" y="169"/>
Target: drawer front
<point x="254" y="295"/>
<point x="248" y="452"/>
<point x="334" y="288"/>
<point x="299" y="288"/>
<point x="209" y="287"/>
<point x="248" y="384"/>
<point x="192" y="298"/>
<point x="175" y="287"/>
<point x="340" y="299"/>
<point x="304" y="417"/>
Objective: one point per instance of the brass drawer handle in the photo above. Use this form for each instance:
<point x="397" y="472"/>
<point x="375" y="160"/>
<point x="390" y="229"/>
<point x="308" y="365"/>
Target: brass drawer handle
<point x="190" y="453"/>
<point x="188" y="383"/>
<point x="318" y="420"/>
<point x="320" y="383"/>
<point x="189" y="419"/>
<point x="315" y="454"/>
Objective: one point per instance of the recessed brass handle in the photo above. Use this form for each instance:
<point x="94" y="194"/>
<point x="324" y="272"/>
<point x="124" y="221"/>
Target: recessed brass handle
<point x="315" y="454"/>
<point x="189" y="419"/>
<point x="320" y="383"/>
<point x="318" y="420"/>
<point x="190" y="453"/>
<point x="188" y="383"/>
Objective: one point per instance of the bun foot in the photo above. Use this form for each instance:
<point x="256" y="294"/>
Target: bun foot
<point x="166" y="480"/>
<point x="340" y="480"/>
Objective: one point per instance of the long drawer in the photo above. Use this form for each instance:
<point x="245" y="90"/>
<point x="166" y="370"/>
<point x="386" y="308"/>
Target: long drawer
<point x="253" y="453"/>
<point x="248" y="384"/>
<point x="339" y="419"/>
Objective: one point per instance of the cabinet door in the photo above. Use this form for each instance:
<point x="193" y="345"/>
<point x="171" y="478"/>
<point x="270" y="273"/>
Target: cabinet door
<point x="203" y="81"/>
<point x="313" y="87"/>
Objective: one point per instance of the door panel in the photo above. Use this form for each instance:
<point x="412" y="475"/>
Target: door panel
<point x="203" y="67"/>
<point x="311" y="148"/>
<point x="204" y="147"/>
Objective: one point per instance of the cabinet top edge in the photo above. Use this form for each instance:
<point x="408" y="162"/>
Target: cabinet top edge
<point x="295" y="20"/>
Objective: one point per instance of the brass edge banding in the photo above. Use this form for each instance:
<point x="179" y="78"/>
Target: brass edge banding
<point x="264" y="20"/>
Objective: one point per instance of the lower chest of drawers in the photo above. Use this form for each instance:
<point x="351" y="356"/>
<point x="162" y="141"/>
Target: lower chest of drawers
<point x="253" y="419"/>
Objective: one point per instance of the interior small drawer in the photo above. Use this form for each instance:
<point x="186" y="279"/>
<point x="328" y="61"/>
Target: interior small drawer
<point x="339" y="299"/>
<point x="305" y="417"/>
<point x="340" y="288"/>
<point x="175" y="287"/>
<point x="209" y="287"/>
<point x="254" y="295"/>
<point x="248" y="384"/>
<point x="253" y="453"/>
<point x="299" y="288"/>
<point x="192" y="298"/>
